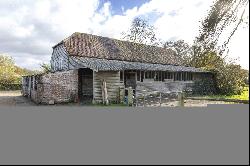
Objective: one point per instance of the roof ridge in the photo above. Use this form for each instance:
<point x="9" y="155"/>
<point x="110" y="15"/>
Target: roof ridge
<point x="83" y="33"/>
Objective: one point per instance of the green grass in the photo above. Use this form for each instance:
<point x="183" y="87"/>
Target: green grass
<point x="243" y="96"/>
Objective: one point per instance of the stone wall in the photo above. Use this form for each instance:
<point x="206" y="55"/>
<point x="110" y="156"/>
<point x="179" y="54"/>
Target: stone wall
<point x="58" y="87"/>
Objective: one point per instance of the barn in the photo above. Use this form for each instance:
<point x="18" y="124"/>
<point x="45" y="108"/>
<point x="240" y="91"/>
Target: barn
<point x="89" y="68"/>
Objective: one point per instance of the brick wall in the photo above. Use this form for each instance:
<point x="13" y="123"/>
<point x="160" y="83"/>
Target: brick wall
<point x="58" y="87"/>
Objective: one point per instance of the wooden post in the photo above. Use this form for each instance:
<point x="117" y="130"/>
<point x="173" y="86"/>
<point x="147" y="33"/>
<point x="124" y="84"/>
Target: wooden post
<point x="130" y="96"/>
<point x="104" y="93"/>
<point x="29" y="87"/>
<point x="93" y="99"/>
<point x="160" y="99"/>
<point x="121" y="95"/>
<point x="143" y="99"/>
<point x="136" y="101"/>
<point x="118" y="96"/>
<point x="180" y="99"/>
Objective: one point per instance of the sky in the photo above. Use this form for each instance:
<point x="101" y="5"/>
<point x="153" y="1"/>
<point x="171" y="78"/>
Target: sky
<point x="30" y="28"/>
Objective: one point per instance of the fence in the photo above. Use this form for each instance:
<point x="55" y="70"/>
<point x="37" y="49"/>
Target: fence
<point x="159" y="99"/>
<point x="153" y="98"/>
<point x="10" y="86"/>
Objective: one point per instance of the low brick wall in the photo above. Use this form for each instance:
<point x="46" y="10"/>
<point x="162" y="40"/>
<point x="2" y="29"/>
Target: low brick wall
<point x="58" y="87"/>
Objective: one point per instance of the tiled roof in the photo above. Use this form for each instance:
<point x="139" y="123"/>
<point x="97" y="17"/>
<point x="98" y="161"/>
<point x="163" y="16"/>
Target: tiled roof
<point x="92" y="46"/>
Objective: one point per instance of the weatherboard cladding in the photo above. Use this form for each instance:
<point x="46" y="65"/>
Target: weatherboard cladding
<point x="89" y="51"/>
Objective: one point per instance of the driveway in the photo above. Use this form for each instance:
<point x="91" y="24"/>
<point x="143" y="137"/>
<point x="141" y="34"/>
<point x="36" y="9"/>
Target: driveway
<point x="14" y="98"/>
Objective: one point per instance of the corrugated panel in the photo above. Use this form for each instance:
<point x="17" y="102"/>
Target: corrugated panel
<point x="116" y="65"/>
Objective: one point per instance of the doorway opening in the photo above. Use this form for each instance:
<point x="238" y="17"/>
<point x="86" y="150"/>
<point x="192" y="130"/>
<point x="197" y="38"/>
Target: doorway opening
<point x="85" y="86"/>
<point x="130" y="79"/>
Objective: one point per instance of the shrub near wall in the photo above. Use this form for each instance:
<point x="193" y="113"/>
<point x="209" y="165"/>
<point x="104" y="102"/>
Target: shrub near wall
<point x="10" y="86"/>
<point x="204" y="86"/>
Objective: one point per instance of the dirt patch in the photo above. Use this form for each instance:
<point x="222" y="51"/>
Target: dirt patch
<point x="202" y="103"/>
<point x="14" y="98"/>
<point x="155" y="102"/>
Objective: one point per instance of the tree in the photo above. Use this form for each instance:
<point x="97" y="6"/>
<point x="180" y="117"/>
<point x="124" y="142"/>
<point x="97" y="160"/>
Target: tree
<point x="10" y="73"/>
<point x="224" y="16"/>
<point x="7" y="70"/>
<point x="221" y="23"/>
<point x="230" y="79"/>
<point x="181" y="49"/>
<point x="141" y="32"/>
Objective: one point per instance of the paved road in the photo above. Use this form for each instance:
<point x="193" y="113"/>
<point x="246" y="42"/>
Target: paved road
<point x="14" y="98"/>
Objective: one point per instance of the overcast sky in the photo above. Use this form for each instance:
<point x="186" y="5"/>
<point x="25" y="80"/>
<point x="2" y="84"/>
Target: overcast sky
<point x="29" y="28"/>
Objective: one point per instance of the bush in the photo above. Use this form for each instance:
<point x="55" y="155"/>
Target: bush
<point x="10" y="86"/>
<point x="205" y="86"/>
<point x="230" y="79"/>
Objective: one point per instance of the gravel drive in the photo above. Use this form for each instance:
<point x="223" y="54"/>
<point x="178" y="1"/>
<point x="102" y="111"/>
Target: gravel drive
<point x="14" y="98"/>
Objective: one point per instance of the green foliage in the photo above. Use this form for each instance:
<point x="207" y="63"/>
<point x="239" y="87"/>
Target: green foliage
<point x="223" y="15"/>
<point x="7" y="70"/>
<point x="230" y="79"/>
<point x="208" y="61"/>
<point x="205" y="86"/>
<point x="10" y="74"/>
<point x="223" y="19"/>
<point x="180" y="49"/>
<point x="10" y="86"/>
<point x="46" y="68"/>
<point x="141" y="32"/>
<point x="243" y="96"/>
<point x="205" y="53"/>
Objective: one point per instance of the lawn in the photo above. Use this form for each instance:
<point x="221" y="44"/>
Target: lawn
<point x="243" y="96"/>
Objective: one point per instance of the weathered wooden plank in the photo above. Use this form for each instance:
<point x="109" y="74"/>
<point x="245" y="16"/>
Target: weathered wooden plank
<point x="109" y="84"/>
<point x="112" y="83"/>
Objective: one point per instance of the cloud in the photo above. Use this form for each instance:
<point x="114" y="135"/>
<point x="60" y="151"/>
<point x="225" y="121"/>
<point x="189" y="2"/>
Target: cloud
<point x="29" y="29"/>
